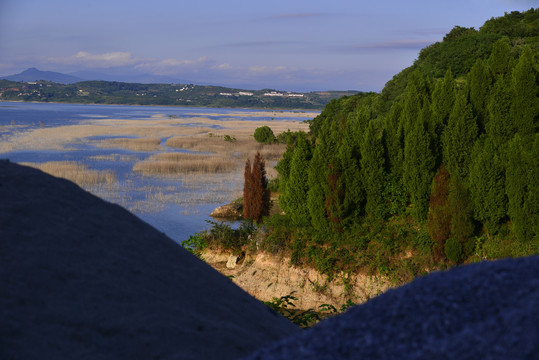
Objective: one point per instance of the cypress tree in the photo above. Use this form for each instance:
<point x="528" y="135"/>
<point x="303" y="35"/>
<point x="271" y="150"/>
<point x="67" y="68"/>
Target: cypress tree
<point x="462" y="226"/>
<point x="500" y="127"/>
<point x="525" y="107"/>
<point x="479" y="84"/>
<point x="459" y="138"/>
<point x="261" y="194"/>
<point x="516" y="187"/>
<point x="487" y="185"/>
<point x="394" y="140"/>
<point x="256" y="196"/>
<point x="531" y="206"/>
<point x="500" y="61"/>
<point x="317" y="184"/>
<point x="247" y="200"/>
<point x="419" y="163"/>
<point x="443" y="98"/>
<point x="439" y="215"/>
<point x="372" y="171"/>
<point x="297" y="186"/>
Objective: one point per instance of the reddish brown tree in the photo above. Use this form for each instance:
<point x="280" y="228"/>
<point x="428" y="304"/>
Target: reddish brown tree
<point x="256" y="196"/>
<point x="247" y="193"/>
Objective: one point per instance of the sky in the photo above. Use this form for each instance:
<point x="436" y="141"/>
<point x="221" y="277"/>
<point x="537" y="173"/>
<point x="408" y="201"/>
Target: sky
<point x="293" y="45"/>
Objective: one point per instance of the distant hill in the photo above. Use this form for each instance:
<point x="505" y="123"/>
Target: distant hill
<point x="34" y="74"/>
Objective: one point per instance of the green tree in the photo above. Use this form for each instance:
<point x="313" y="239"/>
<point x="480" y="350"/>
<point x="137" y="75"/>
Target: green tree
<point x="439" y="215"/>
<point x="459" y="138"/>
<point x="443" y="98"/>
<point x="525" y="102"/>
<point x="264" y="135"/>
<point x="372" y="171"/>
<point x="517" y="182"/>
<point x="419" y="163"/>
<point x="487" y="185"/>
<point x="479" y="84"/>
<point x="500" y="61"/>
<point x="462" y="226"/>
<point x="296" y="191"/>
<point x="500" y="127"/>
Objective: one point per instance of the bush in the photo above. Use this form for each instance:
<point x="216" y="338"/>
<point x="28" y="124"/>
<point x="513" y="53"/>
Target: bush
<point x="453" y="250"/>
<point x="264" y="135"/>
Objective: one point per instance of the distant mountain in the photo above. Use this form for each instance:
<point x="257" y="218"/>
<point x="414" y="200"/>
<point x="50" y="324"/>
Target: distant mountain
<point x="34" y="74"/>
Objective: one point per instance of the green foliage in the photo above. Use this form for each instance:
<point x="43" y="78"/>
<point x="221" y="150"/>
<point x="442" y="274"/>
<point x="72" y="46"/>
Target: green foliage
<point x="459" y="138"/>
<point x="439" y="216"/>
<point x="453" y="250"/>
<point x="373" y="171"/>
<point x="479" y="84"/>
<point x="487" y="185"/>
<point x="462" y="226"/>
<point x="500" y="59"/>
<point x="195" y="244"/>
<point x="295" y="194"/>
<point x="229" y="138"/>
<point x="419" y="163"/>
<point x="519" y="182"/>
<point x="264" y="135"/>
<point x="499" y="126"/>
<point x="525" y="101"/>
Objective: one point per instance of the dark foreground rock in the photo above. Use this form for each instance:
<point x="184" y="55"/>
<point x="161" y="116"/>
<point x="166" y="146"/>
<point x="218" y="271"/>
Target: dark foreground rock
<point x="488" y="310"/>
<point x="85" y="279"/>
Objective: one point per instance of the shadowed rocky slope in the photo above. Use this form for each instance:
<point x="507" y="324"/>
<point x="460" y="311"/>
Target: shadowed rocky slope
<point x="488" y="310"/>
<point x="85" y="279"/>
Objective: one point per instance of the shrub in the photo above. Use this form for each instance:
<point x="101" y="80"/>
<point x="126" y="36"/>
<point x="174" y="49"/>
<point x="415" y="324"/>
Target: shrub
<point x="264" y="135"/>
<point x="453" y="250"/>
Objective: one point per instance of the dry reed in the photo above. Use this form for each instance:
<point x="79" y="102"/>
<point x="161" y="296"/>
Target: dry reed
<point x="76" y="172"/>
<point x="136" y="144"/>
<point x="181" y="163"/>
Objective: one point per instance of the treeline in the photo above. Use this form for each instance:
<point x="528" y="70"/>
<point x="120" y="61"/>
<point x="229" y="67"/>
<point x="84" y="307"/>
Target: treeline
<point x="457" y="159"/>
<point x="112" y="92"/>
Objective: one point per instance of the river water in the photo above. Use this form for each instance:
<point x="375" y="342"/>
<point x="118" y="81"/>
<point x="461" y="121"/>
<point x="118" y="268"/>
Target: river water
<point x="175" y="207"/>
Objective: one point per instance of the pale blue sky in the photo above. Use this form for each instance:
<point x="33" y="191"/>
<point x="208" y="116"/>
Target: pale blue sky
<point x="284" y="44"/>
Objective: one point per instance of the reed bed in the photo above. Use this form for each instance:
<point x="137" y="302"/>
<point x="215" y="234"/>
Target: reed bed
<point x="76" y="172"/>
<point x="181" y="163"/>
<point x="133" y="144"/>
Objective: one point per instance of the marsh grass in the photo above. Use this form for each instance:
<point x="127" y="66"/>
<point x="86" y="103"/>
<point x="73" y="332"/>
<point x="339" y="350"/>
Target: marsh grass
<point x="76" y="172"/>
<point x="183" y="163"/>
<point x="136" y="144"/>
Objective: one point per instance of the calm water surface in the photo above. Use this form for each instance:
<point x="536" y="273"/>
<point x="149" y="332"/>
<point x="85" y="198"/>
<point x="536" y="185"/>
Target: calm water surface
<point x="141" y="195"/>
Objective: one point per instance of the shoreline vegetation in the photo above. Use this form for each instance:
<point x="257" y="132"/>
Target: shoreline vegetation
<point x="439" y="169"/>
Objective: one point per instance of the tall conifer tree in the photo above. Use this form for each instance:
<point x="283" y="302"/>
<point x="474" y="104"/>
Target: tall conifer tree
<point x="487" y="185"/>
<point x="479" y="84"/>
<point x="419" y="163"/>
<point x="459" y="138"/>
<point x="525" y="101"/>
<point x="297" y="185"/>
<point x="372" y="171"/>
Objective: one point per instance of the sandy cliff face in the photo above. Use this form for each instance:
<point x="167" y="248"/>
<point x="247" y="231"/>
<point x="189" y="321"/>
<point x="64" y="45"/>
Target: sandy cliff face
<point x="266" y="276"/>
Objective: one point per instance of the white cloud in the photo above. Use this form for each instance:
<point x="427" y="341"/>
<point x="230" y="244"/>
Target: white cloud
<point x="174" y="66"/>
<point x="105" y="60"/>
<point x="258" y="69"/>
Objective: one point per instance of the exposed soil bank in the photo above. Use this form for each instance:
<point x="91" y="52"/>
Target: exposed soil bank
<point x="266" y="276"/>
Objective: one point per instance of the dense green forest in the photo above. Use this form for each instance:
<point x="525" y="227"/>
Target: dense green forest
<point x="110" y="92"/>
<point x="440" y="168"/>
